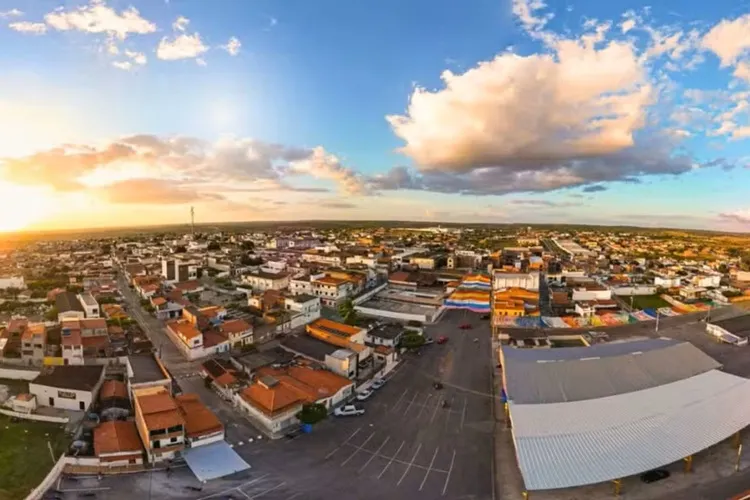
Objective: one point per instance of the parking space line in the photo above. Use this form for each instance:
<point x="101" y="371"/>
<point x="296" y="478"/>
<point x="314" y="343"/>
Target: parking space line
<point x="408" y="407"/>
<point x="450" y="469"/>
<point x="236" y="487"/>
<point x="357" y="449"/>
<point x="294" y="496"/>
<point x="342" y="444"/>
<point x="437" y="405"/>
<point x="391" y="460"/>
<point x="269" y="490"/>
<point x="398" y="402"/>
<point x="243" y="493"/>
<point x="410" y="464"/>
<point x="377" y="452"/>
<point x="427" y="473"/>
<point x="463" y="412"/>
<point x="422" y="406"/>
<point x="448" y="418"/>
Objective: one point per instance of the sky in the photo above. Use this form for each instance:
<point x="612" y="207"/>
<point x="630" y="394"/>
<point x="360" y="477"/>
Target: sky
<point x="121" y="113"/>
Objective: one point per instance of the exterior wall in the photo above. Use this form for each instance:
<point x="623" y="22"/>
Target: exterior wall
<point x="344" y="367"/>
<point x="204" y="440"/>
<point x="272" y="424"/>
<point x="72" y="355"/>
<point x="674" y="282"/>
<point x="298" y="287"/>
<point x="35" y="416"/>
<point x="591" y="295"/>
<point x="707" y="281"/>
<point x="743" y="276"/>
<point x="634" y="290"/>
<point x="528" y="281"/>
<point x="381" y="313"/>
<point x="70" y="315"/>
<point x="263" y="284"/>
<point x="15" y="374"/>
<point x="12" y="282"/>
<point x="63" y="398"/>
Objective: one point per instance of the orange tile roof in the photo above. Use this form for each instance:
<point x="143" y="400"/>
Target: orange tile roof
<point x="149" y="288"/>
<point x="95" y="341"/>
<point x="324" y="383"/>
<point x="156" y="403"/>
<point x="158" y="301"/>
<point x="115" y="437"/>
<point x="93" y="323"/>
<point x="199" y="420"/>
<point x="185" y="328"/>
<point x="272" y="400"/>
<point x="225" y="379"/>
<point x="34" y="329"/>
<point x="235" y="326"/>
<point x="187" y="286"/>
<point x="329" y="280"/>
<point x="113" y="389"/>
<point x="341" y="328"/>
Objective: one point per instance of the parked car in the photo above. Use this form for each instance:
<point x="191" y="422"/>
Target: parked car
<point x="364" y="395"/>
<point x="428" y="341"/>
<point x="485" y="316"/>
<point x="465" y="326"/>
<point x="348" y="411"/>
<point x="442" y="339"/>
<point x="377" y="383"/>
<point x="654" y="475"/>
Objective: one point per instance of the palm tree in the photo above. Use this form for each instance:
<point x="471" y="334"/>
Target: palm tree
<point x="347" y="312"/>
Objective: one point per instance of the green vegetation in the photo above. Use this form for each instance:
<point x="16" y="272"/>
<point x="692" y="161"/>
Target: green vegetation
<point x="347" y="312"/>
<point x="312" y="413"/>
<point x="412" y="341"/>
<point x="647" y="302"/>
<point x="24" y="455"/>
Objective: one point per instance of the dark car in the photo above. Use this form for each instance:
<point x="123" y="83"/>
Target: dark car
<point x="654" y="475"/>
<point x="485" y="316"/>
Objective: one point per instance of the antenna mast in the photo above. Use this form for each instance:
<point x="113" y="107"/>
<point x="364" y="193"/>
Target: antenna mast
<point x="192" y="221"/>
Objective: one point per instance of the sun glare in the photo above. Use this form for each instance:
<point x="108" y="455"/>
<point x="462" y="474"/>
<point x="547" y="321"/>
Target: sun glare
<point x="22" y="206"/>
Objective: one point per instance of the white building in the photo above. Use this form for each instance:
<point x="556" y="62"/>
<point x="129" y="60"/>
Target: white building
<point x="12" y="282"/>
<point x="584" y="293"/>
<point x="529" y="281"/>
<point x="332" y="291"/>
<point x="262" y="281"/>
<point x="68" y="387"/>
<point x="706" y="281"/>
<point x="303" y="309"/>
<point x="89" y="304"/>
<point x="668" y="281"/>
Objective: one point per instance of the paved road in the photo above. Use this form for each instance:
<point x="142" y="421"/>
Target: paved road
<point x="405" y="447"/>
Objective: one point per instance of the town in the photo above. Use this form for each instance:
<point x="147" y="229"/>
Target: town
<point x="378" y="360"/>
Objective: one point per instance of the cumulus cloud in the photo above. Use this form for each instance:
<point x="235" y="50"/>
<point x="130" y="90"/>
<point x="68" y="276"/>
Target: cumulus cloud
<point x="98" y="17"/>
<point x="28" y="27"/>
<point x="729" y="39"/>
<point x="181" y="47"/>
<point x="180" y="24"/>
<point x="232" y="46"/>
<point x="237" y="164"/>
<point x="135" y="58"/>
<point x="123" y="65"/>
<point x="323" y="165"/>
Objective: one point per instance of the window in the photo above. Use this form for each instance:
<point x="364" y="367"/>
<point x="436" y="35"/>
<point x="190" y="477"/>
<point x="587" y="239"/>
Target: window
<point x="172" y="440"/>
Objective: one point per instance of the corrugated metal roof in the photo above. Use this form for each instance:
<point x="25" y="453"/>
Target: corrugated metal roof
<point x="562" y="445"/>
<point x="541" y="382"/>
<point x="214" y="460"/>
<point x="596" y="350"/>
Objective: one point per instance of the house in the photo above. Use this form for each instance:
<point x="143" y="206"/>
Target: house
<point x="301" y="286"/>
<point x="160" y="423"/>
<point x="145" y="371"/>
<point x="190" y="338"/>
<point x="190" y="286"/>
<point x="237" y="331"/>
<point x="201" y="425"/>
<point x="332" y="291"/>
<point x="113" y="311"/>
<point x="89" y="304"/>
<point x="302" y="309"/>
<point x="340" y="335"/>
<point x="116" y="443"/>
<point x="114" y="402"/>
<point x="68" y="306"/>
<point x="691" y="292"/>
<point x="94" y="335"/>
<point x="331" y="258"/>
<point x="68" y="387"/>
<point x="166" y="309"/>
<point x="277" y="395"/>
<point x="71" y="343"/>
<point x="388" y="335"/>
<point x="262" y="280"/>
<point x="34" y="343"/>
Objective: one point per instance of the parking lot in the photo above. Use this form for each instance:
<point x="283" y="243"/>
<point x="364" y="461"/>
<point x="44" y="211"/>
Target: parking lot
<point x="405" y="446"/>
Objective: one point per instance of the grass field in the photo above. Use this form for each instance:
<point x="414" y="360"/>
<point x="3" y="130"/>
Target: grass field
<point x="24" y="455"/>
<point x="647" y="302"/>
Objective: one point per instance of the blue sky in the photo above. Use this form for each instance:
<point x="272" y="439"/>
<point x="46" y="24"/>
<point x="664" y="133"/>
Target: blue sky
<point x="124" y="112"/>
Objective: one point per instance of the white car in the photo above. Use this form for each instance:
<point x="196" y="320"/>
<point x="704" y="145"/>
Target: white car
<point x="364" y="395"/>
<point x="377" y="383"/>
<point x="348" y="411"/>
<point x="428" y="341"/>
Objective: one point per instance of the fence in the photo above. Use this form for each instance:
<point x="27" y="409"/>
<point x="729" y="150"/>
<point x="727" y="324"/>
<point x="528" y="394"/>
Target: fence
<point x="17" y="373"/>
<point x="35" y="416"/>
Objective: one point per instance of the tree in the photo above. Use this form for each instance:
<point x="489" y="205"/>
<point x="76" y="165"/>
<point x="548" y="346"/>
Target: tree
<point x="348" y="312"/>
<point x="412" y="341"/>
<point x="51" y="314"/>
<point x="312" y="413"/>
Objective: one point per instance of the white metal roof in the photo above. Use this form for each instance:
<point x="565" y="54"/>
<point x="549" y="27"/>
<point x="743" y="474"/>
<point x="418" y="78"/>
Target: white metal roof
<point x="561" y="445"/>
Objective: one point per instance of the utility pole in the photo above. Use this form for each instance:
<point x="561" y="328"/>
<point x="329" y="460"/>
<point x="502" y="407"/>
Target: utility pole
<point x="192" y="221"/>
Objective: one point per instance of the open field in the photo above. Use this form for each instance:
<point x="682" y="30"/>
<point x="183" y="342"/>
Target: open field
<point x="647" y="302"/>
<point x="24" y="455"/>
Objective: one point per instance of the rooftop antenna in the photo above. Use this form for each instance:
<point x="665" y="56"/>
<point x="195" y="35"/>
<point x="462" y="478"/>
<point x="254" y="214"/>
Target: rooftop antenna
<point x="192" y="221"/>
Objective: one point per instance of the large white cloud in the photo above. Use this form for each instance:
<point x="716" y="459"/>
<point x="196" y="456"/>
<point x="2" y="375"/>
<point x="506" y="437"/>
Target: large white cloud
<point x="729" y="40"/>
<point x="98" y="17"/>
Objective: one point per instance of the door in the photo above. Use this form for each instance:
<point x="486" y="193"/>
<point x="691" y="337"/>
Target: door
<point x="52" y="401"/>
<point x="81" y="405"/>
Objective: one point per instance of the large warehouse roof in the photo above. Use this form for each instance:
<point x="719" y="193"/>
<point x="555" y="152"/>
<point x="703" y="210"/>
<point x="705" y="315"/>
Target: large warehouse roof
<point x="540" y="376"/>
<point x="563" y="445"/>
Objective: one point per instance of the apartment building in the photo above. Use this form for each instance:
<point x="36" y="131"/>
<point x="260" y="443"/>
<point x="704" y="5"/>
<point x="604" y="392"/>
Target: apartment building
<point x="175" y="270"/>
<point x="261" y="281"/>
<point x="33" y="343"/>
<point x="332" y="291"/>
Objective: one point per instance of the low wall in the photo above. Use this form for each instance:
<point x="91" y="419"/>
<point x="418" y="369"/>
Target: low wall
<point x="368" y="295"/>
<point x="35" y="416"/>
<point x="381" y="313"/>
<point x="626" y="291"/>
<point x="17" y="373"/>
<point x="48" y="481"/>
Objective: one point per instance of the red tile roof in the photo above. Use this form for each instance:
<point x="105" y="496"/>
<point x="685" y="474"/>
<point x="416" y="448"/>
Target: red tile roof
<point x="116" y="437"/>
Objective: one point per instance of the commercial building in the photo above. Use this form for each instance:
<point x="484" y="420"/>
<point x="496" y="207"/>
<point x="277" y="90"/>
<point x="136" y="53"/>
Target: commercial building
<point x="68" y="387"/>
<point x="175" y="271"/>
<point x="586" y="415"/>
<point x="505" y="279"/>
